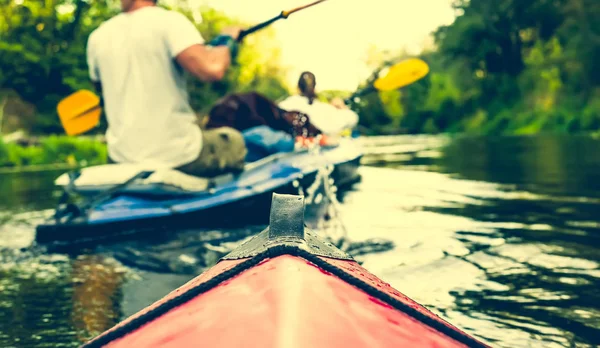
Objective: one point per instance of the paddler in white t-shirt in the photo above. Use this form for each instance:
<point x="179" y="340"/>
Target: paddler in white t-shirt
<point x="137" y="61"/>
<point x="331" y="118"/>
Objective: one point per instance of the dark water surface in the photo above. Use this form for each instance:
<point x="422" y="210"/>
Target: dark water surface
<point x="500" y="236"/>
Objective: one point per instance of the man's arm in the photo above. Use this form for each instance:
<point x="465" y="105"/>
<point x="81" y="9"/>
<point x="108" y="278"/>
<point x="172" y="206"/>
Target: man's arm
<point x="204" y="62"/>
<point x="187" y="47"/>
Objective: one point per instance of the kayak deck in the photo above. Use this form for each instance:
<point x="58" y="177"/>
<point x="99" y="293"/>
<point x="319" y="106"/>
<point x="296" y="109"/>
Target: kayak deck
<point x="285" y="288"/>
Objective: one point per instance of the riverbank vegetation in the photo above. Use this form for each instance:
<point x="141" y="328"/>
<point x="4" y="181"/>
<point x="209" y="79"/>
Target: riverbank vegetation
<point x="502" y="67"/>
<point x="54" y="150"/>
<point x="42" y="59"/>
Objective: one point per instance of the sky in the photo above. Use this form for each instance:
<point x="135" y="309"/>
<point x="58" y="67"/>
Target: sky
<point x="332" y="39"/>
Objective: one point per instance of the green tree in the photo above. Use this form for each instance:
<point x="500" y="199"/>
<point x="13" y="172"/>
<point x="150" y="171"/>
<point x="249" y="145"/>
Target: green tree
<point x="42" y="50"/>
<point x="43" y="54"/>
<point x="506" y="66"/>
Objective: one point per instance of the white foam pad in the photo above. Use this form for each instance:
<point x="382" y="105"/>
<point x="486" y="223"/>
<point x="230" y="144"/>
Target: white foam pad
<point x="115" y="174"/>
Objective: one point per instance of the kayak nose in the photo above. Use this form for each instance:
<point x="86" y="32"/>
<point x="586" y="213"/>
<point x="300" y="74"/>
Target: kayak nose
<point x="287" y="216"/>
<point x="286" y="233"/>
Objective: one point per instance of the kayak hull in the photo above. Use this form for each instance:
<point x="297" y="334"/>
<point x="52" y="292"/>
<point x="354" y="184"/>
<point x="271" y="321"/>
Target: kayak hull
<point x="127" y="215"/>
<point x="285" y="288"/>
<point x="309" y="306"/>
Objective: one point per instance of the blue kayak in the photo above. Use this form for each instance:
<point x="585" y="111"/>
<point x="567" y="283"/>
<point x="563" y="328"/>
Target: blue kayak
<point x="114" y="200"/>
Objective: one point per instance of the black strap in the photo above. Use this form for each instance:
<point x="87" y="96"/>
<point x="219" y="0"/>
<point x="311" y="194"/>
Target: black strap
<point x="72" y="211"/>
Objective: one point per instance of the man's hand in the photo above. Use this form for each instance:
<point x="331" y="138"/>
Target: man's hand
<point x="234" y="32"/>
<point x="338" y="103"/>
<point x="228" y="37"/>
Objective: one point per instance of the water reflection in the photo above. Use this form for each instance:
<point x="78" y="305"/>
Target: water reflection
<point x="550" y="271"/>
<point x="97" y="294"/>
<point x="55" y="300"/>
<point x="558" y="165"/>
<point x="532" y="236"/>
<point x="27" y="191"/>
<point x="498" y="235"/>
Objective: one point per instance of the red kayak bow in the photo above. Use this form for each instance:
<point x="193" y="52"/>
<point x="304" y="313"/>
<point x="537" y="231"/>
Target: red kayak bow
<point x="285" y="288"/>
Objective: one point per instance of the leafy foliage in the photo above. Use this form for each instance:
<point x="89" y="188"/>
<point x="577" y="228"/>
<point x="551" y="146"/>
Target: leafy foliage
<point x="42" y="55"/>
<point x="54" y="150"/>
<point x="507" y="66"/>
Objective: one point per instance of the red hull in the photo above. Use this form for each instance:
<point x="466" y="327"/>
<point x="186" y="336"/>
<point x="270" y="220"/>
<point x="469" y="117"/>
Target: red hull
<point x="285" y="297"/>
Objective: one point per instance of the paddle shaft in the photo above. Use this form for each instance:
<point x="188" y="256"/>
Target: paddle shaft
<point x="258" y="27"/>
<point x="282" y="15"/>
<point x="360" y="93"/>
<point x="109" y="193"/>
<point x="97" y="106"/>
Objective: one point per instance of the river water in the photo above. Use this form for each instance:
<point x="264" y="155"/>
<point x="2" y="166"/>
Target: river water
<point x="499" y="236"/>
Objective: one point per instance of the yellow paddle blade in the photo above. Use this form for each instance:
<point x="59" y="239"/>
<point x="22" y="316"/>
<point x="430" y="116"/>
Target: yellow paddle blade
<point x="402" y="74"/>
<point x="79" y="112"/>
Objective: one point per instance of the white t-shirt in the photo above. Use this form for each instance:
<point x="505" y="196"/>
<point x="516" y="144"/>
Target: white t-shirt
<point x="145" y="96"/>
<point x="329" y="119"/>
